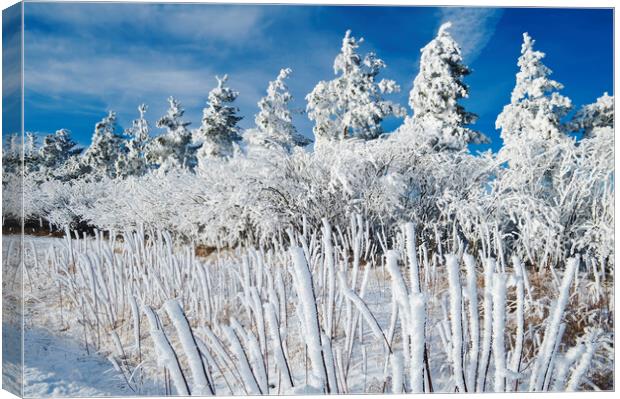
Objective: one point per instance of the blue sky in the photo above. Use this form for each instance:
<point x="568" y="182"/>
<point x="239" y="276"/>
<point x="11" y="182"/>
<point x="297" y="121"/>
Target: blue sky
<point x="84" y="59"/>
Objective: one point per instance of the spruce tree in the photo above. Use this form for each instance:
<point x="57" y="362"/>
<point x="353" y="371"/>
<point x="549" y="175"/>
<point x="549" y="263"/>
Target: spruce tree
<point x="439" y="122"/>
<point x="172" y="149"/>
<point x="536" y="107"/>
<point x="57" y="148"/>
<point x="352" y="104"/>
<point x="219" y="131"/>
<point x="106" y="147"/>
<point x="274" y="122"/>
<point x="32" y="159"/>
<point x="12" y="154"/>
<point x="535" y="139"/>
<point x="134" y="163"/>
<point x="594" y="116"/>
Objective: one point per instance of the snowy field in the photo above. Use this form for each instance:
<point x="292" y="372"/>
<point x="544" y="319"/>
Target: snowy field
<point x="156" y="319"/>
<point x="56" y="363"/>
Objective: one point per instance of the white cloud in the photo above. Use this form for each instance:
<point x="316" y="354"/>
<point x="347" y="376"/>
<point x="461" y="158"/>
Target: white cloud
<point x="82" y="61"/>
<point x="121" y="84"/>
<point x="472" y="27"/>
<point x="215" y="22"/>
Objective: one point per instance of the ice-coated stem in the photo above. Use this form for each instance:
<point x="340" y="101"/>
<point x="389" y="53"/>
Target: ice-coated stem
<point x="201" y="384"/>
<point x="542" y="363"/>
<point x="499" y="331"/>
<point x="456" y="323"/>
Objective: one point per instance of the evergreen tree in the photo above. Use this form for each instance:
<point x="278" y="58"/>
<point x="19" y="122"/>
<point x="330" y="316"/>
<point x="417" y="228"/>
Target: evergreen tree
<point x="536" y="107"/>
<point x="134" y="162"/>
<point x="106" y="147"/>
<point x="57" y="148"/>
<point x="274" y="122"/>
<point x="172" y="149"/>
<point x="536" y="146"/>
<point x="594" y="116"/>
<point x="439" y="121"/>
<point x="352" y="105"/>
<point x="219" y="131"/>
<point x="12" y="154"/>
<point x="30" y="145"/>
<point x="31" y="154"/>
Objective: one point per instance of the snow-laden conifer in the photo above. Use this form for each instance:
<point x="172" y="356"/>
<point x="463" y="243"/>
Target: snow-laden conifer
<point x="352" y="104"/>
<point x="30" y="148"/>
<point x="439" y="121"/>
<point x="590" y="117"/>
<point x="106" y="147"/>
<point x="218" y="131"/>
<point x="173" y="149"/>
<point x="532" y="119"/>
<point x="134" y="163"/>
<point x="58" y="158"/>
<point x="274" y="122"/>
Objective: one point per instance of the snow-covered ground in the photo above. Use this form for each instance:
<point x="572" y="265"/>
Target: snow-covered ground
<point x="58" y="365"/>
<point x="55" y="363"/>
<point x="384" y="319"/>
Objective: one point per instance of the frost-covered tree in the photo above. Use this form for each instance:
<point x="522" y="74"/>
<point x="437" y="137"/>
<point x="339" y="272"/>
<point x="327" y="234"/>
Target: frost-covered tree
<point x="30" y="145"/>
<point x="12" y="154"/>
<point x="352" y="104"/>
<point x="533" y="193"/>
<point x="106" y="147"/>
<point x="57" y="148"/>
<point x="14" y="145"/>
<point x="596" y="115"/>
<point x="439" y="121"/>
<point x="219" y="131"/>
<point x="173" y="148"/>
<point x="274" y="122"/>
<point x="134" y="163"/>
<point x="536" y="107"/>
<point x="31" y="153"/>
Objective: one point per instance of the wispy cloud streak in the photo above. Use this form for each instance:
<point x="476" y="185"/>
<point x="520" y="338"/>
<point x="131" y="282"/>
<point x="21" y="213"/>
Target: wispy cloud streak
<point x="471" y="27"/>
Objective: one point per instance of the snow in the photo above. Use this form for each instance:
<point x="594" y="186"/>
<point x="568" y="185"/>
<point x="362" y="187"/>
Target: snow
<point x="276" y="344"/>
<point x="418" y="341"/>
<point x="474" y="321"/>
<point x="57" y="366"/>
<point x="397" y="372"/>
<point x="584" y="361"/>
